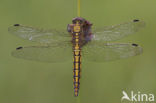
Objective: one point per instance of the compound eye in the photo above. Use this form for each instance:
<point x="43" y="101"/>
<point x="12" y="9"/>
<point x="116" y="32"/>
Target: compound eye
<point x="74" y="21"/>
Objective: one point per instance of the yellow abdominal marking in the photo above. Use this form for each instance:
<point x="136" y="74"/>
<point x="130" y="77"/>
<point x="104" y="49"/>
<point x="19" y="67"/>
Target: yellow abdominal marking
<point x="76" y="52"/>
<point x="77" y="58"/>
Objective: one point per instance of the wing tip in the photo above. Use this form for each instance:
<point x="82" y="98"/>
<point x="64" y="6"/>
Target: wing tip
<point x="139" y="48"/>
<point x="16" y="25"/>
<point x="136" y="20"/>
<point x="18" y="52"/>
<point x="12" y="28"/>
<point x="135" y="45"/>
<point x="18" y="48"/>
<point x="139" y="23"/>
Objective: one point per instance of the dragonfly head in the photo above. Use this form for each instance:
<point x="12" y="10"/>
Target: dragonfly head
<point x="78" y="20"/>
<point x="78" y="23"/>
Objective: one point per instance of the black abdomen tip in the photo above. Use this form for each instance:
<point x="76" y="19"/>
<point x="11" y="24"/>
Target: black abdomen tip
<point x="19" y="48"/>
<point x="16" y="24"/>
<point x="135" y="20"/>
<point x="134" y="44"/>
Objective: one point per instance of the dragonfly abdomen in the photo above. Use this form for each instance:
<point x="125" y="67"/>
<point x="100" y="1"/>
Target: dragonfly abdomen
<point x="77" y="71"/>
<point x="77" y="57"/>
<point x="77" y="63"/>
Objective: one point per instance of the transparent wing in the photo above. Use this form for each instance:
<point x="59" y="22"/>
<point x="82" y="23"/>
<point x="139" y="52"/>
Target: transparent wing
<point x="109" y="51"/>
<point x="118" y="31"/>
<point x="38" y="35"/>
<point x="52" y="53"/>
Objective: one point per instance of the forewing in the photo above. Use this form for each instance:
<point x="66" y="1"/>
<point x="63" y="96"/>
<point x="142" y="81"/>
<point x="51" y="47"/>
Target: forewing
<point x="118" y="31"/>
<point x="38" y="35"/>
<point x="52" y="53"/>
<point x="109" y="51"/>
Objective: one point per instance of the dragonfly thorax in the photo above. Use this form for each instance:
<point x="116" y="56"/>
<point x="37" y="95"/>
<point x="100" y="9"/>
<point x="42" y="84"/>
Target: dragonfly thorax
<point x="81" y="29"/>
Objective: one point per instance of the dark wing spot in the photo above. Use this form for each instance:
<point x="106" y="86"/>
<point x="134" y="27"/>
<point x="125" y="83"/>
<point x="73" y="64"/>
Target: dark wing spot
<point x="16" y="24"/>
<point x="135" y="20"/>
<point x="134" y="44"/>
<point x="19" y="48"/>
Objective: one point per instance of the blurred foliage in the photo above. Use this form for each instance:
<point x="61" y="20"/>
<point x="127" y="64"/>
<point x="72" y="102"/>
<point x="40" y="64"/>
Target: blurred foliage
<point x="23" y="81"/>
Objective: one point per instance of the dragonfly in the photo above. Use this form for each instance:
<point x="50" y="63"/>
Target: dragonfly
<point x="79" y="42"/>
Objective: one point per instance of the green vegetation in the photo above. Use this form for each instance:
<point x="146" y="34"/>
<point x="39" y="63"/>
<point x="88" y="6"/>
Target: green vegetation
<point x="23" y="81"/>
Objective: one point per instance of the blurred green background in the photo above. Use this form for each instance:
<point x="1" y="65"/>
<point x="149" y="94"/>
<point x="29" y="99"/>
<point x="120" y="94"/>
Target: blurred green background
<point x="23" y="81"/>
